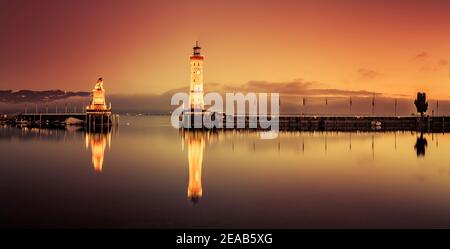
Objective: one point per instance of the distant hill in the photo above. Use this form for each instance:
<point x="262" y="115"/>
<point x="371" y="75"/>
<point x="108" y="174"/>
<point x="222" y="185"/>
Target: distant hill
<point x="10" y="96"/>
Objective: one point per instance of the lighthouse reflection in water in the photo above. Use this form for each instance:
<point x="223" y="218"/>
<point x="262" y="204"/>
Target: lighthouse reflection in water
<point x="97" y="142"/>
<point x="195" y="145"/>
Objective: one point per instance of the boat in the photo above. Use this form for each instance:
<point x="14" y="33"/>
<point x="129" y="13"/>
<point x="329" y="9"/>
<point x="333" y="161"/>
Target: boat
<point x="73" y="121"/>
<point x="21" y="122"/>
<point x="375" y="125"/>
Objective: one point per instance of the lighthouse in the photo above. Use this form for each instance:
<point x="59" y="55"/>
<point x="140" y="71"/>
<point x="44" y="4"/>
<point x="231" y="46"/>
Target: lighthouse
<point x="196" y="102"/>
<point x="195" y="116"/>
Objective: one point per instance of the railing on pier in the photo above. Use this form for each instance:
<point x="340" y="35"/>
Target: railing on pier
<point x="90" y="120"/>
<point x="322" y="122"/>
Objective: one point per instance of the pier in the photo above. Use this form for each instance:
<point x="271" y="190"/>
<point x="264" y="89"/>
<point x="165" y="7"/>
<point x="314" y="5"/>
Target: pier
<point x="97" y="114"/>
<point x="62" y="119"/>
<point x="329" y="123"/>
<point x="365" y="123"/>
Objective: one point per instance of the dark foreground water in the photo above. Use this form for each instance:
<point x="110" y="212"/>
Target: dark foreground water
<point x="146" y="174"/>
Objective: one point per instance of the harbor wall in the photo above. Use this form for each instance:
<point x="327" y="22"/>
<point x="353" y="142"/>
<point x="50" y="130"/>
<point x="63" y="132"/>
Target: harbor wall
<point x="334" y="123"/>
<point x="50" y="119"/>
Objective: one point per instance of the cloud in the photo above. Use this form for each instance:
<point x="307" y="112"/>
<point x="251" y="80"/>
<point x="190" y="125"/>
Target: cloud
<point x="367" y="73"/>
<point x="297" y="87"/>
<point x="343" y="93"/>
<point x="293" y="87"/>
<point x="437" y="66"/>
<point x="290" y="92"/>
<point x="9" y="96"/>
<point x="421" y="56"/>
<point x="443" y="63"/>
<point x="428" y="65"/>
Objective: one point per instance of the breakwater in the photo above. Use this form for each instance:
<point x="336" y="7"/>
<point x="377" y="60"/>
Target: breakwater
<point x="364" y="123"/>
<point x="62" y="119"/>
<point x="334" y="123"/>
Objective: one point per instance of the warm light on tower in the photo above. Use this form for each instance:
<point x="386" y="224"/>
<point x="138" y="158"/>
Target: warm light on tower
<point x="196" y="145"/>
<point x="98" y="102"/>
<point x="98" y="143"/>
<point x="196" y="87"/>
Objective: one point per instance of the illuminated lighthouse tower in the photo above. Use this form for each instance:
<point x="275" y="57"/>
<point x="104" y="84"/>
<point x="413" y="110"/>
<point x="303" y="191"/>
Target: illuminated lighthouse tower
<point x="196" y="103"/>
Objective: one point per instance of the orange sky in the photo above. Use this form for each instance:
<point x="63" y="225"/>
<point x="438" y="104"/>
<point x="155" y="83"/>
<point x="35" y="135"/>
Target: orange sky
<point x="392" y="47"/>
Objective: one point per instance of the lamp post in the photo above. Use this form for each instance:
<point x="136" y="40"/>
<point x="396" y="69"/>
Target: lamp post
<point x="373" y="104"/>
<point x="395" y="109"/>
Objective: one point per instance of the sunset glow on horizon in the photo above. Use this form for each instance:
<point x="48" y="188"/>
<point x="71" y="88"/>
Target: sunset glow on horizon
<point x="396" y="48"/>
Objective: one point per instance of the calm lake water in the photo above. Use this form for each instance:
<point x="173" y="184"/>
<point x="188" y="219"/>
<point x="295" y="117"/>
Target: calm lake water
<point x="146" y="174"/>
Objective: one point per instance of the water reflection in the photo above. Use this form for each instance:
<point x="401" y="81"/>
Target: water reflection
<point x="196" y="145"/>
<point x="328" y="169"/>
<point x="421" y="145"/>
<point x="195" y="141"/>
<point x="98" y="141"/>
